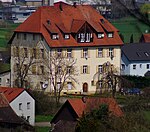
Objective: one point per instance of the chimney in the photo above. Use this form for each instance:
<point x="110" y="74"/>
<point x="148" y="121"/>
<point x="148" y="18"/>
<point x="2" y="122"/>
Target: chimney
<point x="84" y="99"/>
<point x="74" y="4"/>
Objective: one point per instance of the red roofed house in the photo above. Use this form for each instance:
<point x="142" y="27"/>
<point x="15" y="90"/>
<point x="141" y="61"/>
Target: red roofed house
<point x="21" y="102"/>
<point x="8" y="118"/>
<point x="74" y="31"/>
<point x="73" y="109"/>
<point x="145" y="38"/>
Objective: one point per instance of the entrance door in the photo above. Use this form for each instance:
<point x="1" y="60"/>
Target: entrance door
<point x="85" y="87"/>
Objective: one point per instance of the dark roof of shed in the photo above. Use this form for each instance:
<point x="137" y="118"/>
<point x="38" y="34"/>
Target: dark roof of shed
<point x="137" y="51"/>
<point x="7" y="115"/>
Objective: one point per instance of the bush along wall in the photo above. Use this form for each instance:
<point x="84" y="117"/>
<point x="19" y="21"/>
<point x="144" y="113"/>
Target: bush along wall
<point x="139" y="81"/>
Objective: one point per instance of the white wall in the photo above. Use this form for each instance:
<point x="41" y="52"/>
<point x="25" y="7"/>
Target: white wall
<point x="5" y="79"/>
<point x="24" y="98"/>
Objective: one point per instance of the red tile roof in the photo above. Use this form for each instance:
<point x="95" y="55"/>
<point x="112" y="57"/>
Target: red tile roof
<point x="70" y="19"/>
<point x="11" y="93"/>
<point x="92" y="103"/>
<point x="146" y="38"/>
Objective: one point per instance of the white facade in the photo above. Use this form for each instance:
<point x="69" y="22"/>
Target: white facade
<point x="24" y="105"/>
<point x="5" y="79"/>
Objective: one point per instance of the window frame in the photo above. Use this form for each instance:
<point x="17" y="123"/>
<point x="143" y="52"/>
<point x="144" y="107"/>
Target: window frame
<point x="85" y="69"/>
<point x="20" y="106"/>
<point x="28" y="105"/>
<point x="134" y="67"/>
<point x="85" y="53"/>
<point x="100" y="52"/>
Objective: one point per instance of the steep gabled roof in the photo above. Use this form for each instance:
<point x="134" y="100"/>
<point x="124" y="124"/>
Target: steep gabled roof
<point x="93" y="103"/>
<point x="7" y="115"/>
<point x="146" y="38"/>
<point x="137" y="51"/>
<point x="67" y="18"/>
<point x="11" y="93"/>
<point x="79" y="107"/>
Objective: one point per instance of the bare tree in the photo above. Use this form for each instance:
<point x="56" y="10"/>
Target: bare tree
<point x="61" y="70"/>
<point x="23" y="61"/>
<point x="110" y="79"/>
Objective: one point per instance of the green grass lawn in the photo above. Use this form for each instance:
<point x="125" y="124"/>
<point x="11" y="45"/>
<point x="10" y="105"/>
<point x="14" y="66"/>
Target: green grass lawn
<point x="147" y="115"/>
<point x="42" y="129"/>
<point x="128" y="26"/>
<point x="6" y="31"/>
<point x="43" y="118"/>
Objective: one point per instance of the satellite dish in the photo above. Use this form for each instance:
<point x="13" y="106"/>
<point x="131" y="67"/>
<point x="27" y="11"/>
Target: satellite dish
<point x="45" y="85"/>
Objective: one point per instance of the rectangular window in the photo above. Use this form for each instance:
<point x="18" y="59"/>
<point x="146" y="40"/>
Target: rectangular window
<point x="111" y="52"/>
<point x="55" y="36"/>
<point x="59" y="52"/>
<point x="100" y="52"/>
<point x="59" y="70"/>
<point x="7" y="81"/>
<point x="66" y="36"/>
<point x="33" y="36"/>
<point x="69" y="69"/>
<point x="100" y="35"/>
<point x="20" y="106"/>
<point x="69" y="85"/>
<point x="28" y="118"/>
<point x="140" y="65"/>
<point x="42" y="53"/>
<point x="42" y="69"/>
<point x="148" y="66"/>
<point x="0" y="80"/>
<point x="82" y="37"/>
<point x="122" y="66"/>
<point x="24" y="36"/>
<point x="110" y="35"/>
<point x="100" y="68"/>
<point x="17" y="51"/>
<point x="88" y="37"/>
<point x="25" y="52"/>
<point x="85" y="69"/>
<point x="18" y="36"/>
<point x="34" y="53"/>
<point x="28" y="105"/>
<point x="85" y="53"/>
<point x="69" y="53"/>
<point x="134" y="67"/>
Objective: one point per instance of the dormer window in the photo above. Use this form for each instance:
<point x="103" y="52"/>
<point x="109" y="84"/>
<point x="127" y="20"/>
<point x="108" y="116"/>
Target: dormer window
<point x="66" y="36"/>
<point x="85" y="37"/>
<point x="100" y="35"/>
<point x="55" y="36"/>
<point x="110" y="35"/>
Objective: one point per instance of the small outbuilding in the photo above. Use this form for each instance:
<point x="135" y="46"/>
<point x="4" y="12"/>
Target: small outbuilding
<point x="73" y="109"/>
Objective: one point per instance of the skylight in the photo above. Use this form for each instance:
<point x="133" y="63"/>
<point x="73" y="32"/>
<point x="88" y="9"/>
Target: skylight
<point x="146" y="54"/>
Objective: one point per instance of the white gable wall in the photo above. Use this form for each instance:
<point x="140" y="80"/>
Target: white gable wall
<point x="24" y="98"/>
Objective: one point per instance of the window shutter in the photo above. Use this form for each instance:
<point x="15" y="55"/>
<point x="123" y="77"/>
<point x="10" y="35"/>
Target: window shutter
<point x="81" y="53"/>
<point x="81" y="69"/>
<point x="108" y="52"/>
<point x="34" y="69"/>
<point x="88" y="69"/>
<point x="31" y="52"/>
<point x="114" y="52"/>
<point x="64" y="53"/>
<point x="88" y="53"/>
<point x="73" y="51"/>
<point x="103" y="53"/>
<point x="96" y="68"/>
<point x="96" y="52"/>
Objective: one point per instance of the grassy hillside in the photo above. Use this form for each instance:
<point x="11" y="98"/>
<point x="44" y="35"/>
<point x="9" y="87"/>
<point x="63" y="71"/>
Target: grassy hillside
<point x="128" y="26"/>
<point x="6" y="31"/>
